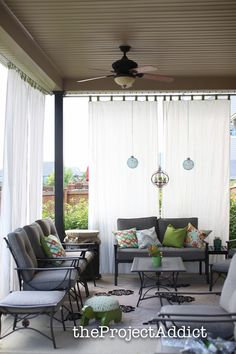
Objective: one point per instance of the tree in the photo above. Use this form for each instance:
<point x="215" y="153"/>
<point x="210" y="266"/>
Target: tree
<point x="68" y="177"/>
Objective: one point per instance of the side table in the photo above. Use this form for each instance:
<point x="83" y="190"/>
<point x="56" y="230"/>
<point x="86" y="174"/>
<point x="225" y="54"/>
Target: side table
<point x="87" y="236"/>
<point x="223" y="250"/>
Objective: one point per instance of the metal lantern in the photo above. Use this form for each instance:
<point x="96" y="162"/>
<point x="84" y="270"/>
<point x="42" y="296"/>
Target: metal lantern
<point x="160" y="178"/>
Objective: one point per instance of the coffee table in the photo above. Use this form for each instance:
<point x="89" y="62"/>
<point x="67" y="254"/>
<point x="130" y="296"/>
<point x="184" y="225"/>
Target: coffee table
<point x="157" y="277"/>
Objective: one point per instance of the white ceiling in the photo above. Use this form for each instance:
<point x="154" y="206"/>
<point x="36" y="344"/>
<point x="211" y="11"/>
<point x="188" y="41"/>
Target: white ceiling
<point x="193" y="41"/>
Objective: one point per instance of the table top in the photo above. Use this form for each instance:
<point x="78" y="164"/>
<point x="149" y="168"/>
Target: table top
<point x="169" y="264"/>
<point x="223" y="250"/>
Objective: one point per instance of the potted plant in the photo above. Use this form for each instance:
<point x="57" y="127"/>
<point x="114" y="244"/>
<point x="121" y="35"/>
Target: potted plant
<point x="156" y="254"/>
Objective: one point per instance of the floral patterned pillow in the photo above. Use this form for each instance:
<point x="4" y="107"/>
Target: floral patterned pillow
<point x="195" y="238"/>
<point x="126" y="238"/>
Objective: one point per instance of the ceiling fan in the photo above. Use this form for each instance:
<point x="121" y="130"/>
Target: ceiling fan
<point x="125" y="71"/>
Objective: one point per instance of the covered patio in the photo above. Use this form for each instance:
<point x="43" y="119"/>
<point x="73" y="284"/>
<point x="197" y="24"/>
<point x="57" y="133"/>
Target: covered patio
<point x="170" y="110"/>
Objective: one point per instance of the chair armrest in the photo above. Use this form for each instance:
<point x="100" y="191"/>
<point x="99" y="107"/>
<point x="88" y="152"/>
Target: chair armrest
<point x="77" y="249"/>
<point x="69" y="258"/>
<point x="44" y="268"/>
<point x="229" y="243"/>
<point x="203" y="318"/>
<point x="189" y="292"/>
<point x="84" y="244"/>
<point x="196" y="315"/>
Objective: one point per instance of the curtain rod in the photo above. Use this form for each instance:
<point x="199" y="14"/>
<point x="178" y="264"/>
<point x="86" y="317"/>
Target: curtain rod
<point x="27" y="78"/>
<point x="123" y="97"/>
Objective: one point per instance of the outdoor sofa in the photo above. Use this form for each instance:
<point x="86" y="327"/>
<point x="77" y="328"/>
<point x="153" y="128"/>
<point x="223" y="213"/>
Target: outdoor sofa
<point x="188" y="254"/>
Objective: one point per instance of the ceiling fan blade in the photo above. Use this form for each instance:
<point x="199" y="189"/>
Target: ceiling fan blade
<point x="95" y="78"/>
<point x="144" y="69"/>
<point x="156" y="77"/>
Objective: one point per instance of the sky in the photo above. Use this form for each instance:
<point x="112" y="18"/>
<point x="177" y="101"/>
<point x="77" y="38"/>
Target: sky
<point x="75" y="131"/>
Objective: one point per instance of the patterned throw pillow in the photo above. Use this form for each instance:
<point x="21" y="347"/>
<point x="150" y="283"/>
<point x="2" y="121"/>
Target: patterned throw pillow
<point x="195" y="238"/>
<point x="126" y="238"/>
<point x="147" y="238"/>
<point x="53" y="247"/>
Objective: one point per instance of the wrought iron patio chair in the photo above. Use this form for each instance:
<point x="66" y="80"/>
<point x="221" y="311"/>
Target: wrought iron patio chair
<point x="33" y="276"/>
<point x="217" y="319"/>
<point x="83" y="250"/>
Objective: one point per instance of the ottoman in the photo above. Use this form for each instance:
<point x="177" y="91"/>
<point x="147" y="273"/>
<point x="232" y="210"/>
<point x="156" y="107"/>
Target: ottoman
<point x="31" y="303"/>
<point x="103" y="308"/>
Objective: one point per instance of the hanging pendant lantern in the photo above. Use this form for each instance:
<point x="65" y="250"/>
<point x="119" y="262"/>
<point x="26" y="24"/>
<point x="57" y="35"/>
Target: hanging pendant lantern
<point x="132" y="162"/>
<point x="188" y="164"/>
<point x="160" y="178"/>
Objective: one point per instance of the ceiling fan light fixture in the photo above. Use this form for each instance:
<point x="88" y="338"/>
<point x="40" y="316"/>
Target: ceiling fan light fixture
<point x="125" y="81"/>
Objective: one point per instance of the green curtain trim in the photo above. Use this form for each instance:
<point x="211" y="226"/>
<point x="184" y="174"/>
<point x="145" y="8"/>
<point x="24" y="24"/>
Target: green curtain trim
<point x="27" y="79"/>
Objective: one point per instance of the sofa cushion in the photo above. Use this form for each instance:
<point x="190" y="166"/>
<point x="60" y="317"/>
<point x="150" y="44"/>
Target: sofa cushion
<point x="52" y="280"/>
<point x="174" y="237"/>
<point x="215" y="329"/>
<point x="229" y="287"/>
<point x="147" y="238"/>
<point x="34" y="233"/>
<point x="126" y="238"/>
<point x="128" y="254"/>
<point x="138" y="223"/>
<point x="31" y="301"/>
<point x="221" y="267"/>
<point x="23" y="252"/>
<point x="187" y="254"/>
<point x="232" y="251"/>
<point x="48" y="227"/>
<point x="176" y="222"/>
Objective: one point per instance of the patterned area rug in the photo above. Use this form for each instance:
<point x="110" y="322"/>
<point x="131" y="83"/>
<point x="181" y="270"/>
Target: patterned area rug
<point x="115" y="292"/>
<point x="119" y="292"/>
<point x="177" y="298"/>
<point x="127" y="308"/>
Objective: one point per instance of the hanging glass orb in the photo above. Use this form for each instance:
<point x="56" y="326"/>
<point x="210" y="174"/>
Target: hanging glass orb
<point x="188" y="164"/>
<point x="160" y="178"/>
<point x="132" y="162"/>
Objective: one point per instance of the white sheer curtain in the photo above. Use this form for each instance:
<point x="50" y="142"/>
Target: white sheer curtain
<point x="22" y="167"/>
<point x="114" y="189"/>
<point x="203" y="191"/>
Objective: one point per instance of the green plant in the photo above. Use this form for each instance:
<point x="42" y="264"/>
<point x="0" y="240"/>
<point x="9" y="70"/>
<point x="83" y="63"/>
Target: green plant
<point x="48" y="209"/>
<point x="76" y="216"/>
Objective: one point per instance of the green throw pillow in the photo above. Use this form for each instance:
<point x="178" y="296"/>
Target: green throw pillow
<point x="52" y="247"/>
<point x="174" y="237"/>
